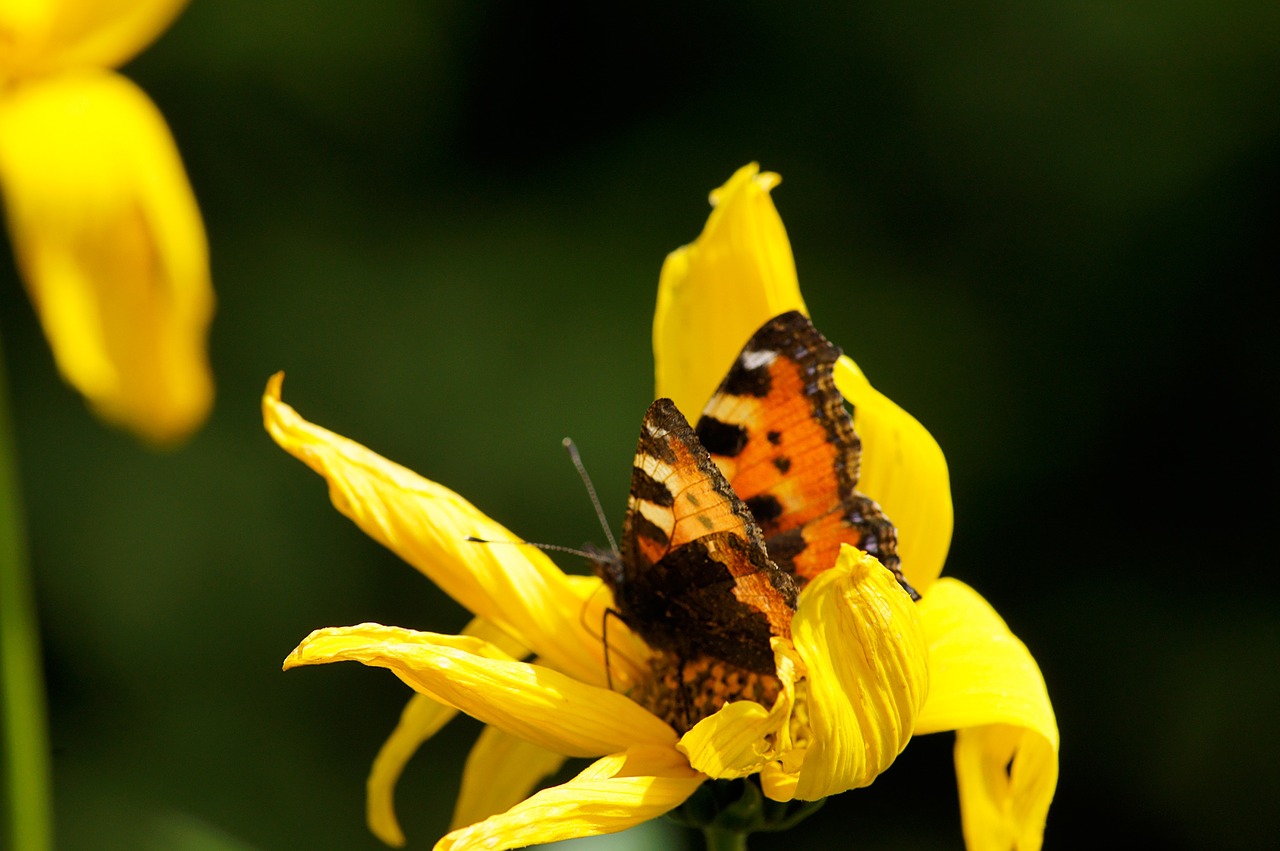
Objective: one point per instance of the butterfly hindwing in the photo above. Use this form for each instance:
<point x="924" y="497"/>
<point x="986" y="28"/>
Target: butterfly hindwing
<point x="694" y="577"/>
<point x="778" y="429"/>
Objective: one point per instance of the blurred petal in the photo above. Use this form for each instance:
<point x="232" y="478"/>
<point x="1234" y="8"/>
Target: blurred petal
<point x="517" y="588"/>
<point x="501" y="771"/>
<point x="742" y="736"/>
<point x="612" y="794"/>
<point x="47" y="35"/>
<point x="111" y="248"/>
<point x="904" y="470"/>
<point x="868" y="673"/>
<point x="986" y="685"/>
<point x="714" y="293"/>
<point x="422" y="718"/>
<point x="538" y="704"/>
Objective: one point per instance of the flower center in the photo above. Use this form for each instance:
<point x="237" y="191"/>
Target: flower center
<point x="683" y="691"/>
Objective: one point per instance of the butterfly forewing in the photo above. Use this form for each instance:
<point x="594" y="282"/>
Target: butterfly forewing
<point x="694" y="577"/>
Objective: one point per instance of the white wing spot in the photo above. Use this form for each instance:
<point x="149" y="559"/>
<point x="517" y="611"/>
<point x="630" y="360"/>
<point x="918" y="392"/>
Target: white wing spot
<point x="756" y="358"/>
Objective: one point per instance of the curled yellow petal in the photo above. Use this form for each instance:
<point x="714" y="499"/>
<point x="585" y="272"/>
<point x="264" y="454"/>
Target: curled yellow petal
<point x="422" y="718"/>
<point x="41" y="36"/>
<point x="516" y="588"/>
<point x="904" y="470"/>
<point x="861" y="641"/>
<point x="987" y="687"/>
<point x="743" y="736"/>
<point x="111" y="248"/>
<point x="612" y="794"/>
<point x="542" y="706"/>
<point x="501" y="771"/>
<point x="714" y="293"/>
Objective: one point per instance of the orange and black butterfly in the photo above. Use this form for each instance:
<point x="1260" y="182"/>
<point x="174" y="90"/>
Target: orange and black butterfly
<point x="728" y="519"/>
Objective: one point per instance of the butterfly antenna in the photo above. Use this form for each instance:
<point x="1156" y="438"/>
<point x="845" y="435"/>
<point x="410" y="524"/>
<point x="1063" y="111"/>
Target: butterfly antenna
<point x="572" y="448"/>
<point x="553" y="547"/>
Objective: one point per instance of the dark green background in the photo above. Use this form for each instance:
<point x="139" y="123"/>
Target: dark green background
<point x="1042" y="228"/>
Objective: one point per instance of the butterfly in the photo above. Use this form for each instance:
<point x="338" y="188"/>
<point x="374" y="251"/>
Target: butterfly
<point x="729" y="518"/>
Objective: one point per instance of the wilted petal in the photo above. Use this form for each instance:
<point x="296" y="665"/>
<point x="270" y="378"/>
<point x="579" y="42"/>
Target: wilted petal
<point x="111" y="247"/>
<point x="538" y="704"/>
<point x="613" y="794"/>
<point x="501" y="771"/>
<point x="860" y="638"/>
<point x="986" y="686"/>
<point x="904" y="470"/>
<point x="422" y="718"/>
<point x="517" y="588"/>
<point x="714" y="293"/>
<point x="42" y="36"/>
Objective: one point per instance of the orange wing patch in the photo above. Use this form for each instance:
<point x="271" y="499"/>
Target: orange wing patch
<point x="779" y="430"/>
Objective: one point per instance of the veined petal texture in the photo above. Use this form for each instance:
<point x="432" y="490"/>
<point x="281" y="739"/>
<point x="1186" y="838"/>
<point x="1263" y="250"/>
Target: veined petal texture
<point x="860" y="638"/>
<point x="542" y="706"/>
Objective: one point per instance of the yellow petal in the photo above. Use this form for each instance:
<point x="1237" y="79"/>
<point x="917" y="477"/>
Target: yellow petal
<point x="612" y="794"/>
<point x="41" y="36"/>
<point x="111" y="248"/>
<point x="501" y="771"/>
<point x="743" y="736"/>
<point x="538" y="704"/>
<point x="422" y="718"/>
<point x="904" y="470"/>
<point x="517" y="588"/>
<point x="860" y="638"/>
<point x="628" y="654"/>
<point x="714" y="293"/>
<point x="986" y="685"/>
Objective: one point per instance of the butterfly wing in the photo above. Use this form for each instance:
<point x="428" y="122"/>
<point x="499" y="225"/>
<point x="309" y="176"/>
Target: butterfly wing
<point x="694" y="577"/>
<point x="778" y="429"/>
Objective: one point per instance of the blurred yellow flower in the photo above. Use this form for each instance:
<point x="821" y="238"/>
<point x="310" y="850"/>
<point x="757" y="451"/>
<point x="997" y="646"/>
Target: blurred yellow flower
<point x="865" y="667"/>
<point x="104" y="225"/>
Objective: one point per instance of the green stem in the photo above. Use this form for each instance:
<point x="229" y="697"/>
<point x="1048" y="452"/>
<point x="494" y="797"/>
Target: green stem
<point x="22" y="700"/>
<point x="719" y="839"/>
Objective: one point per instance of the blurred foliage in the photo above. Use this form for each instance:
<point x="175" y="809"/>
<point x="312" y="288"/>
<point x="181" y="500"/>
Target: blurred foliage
<point x="1042" y="228"/>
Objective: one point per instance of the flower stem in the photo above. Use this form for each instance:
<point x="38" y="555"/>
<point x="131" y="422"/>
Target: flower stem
<point x="719" y="839"/>
<point x="22" y="702"/>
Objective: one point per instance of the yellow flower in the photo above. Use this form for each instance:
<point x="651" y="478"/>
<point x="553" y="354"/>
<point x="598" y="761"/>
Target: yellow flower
<point x="865" y="667"/>
<point x="984" y="684"/>
<point x="104" y="225"/>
